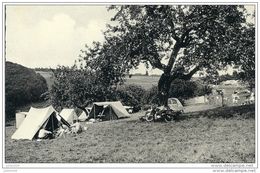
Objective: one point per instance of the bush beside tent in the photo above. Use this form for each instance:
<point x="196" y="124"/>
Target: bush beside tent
<point x="22" y="86"/>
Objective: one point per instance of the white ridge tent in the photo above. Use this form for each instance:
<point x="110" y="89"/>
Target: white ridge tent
<point x="19" y="117"/>
<point x="83" y="116"/>
<point x="36" y="119"/>
<point x="108" y="110"/>
<point x="69" y="115"/>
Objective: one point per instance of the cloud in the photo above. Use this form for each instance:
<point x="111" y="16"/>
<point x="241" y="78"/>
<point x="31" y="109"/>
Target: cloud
<point x="50" y="42"/>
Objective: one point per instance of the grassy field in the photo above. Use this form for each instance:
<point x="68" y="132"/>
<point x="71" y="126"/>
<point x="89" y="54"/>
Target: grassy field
<point x="221" y="135"/>
<point x="145" y="81"/>
<point x="48" y="77"/>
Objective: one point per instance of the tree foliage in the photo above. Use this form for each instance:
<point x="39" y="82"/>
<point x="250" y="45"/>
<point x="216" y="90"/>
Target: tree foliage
<point x="151" y="96"/>
<point x="247" y="56"/>
<point x="131" y="95"/>
<point x="180" y="40"/>
<point x="74" y="87"/>
<point x="22" y="86"/>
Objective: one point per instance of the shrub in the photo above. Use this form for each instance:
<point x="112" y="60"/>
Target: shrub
<point x="202" y="89"/>
<point x="131" y="95"/>
<point x="77" y="88"/>
<point x="182" y="89"/>
<point x="151" y="96"/>
<point x="22" y="86"/>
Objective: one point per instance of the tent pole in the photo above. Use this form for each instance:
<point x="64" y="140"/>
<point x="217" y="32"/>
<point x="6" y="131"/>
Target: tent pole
<point x="52" y="122"/>
<point x="110" y="112"/>
<point x="94" y="112"/>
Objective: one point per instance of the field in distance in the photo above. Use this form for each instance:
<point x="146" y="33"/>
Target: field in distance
<point x="145" y="81"/>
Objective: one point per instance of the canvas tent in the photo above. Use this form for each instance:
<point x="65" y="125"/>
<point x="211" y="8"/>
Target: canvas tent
<point x="19" y="117"/>
<point x="83" y="116"/>
<point x="69" y="115"/>
<point x="36" y="119"/>
<point x="108" y="110"/>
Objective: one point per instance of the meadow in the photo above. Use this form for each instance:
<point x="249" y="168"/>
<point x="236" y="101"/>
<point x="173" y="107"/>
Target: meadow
<point x="204" y="134"/>
<point x="220" y="135"/>
<point x="145" y="81"/>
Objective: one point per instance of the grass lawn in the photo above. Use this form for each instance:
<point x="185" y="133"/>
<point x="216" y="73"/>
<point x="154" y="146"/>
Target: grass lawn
<point x="217" y="136"/>
<point x="145" y="81"/>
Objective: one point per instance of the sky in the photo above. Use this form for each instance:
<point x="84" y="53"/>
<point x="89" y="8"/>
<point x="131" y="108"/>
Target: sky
<point x="47" y="36"/>
<point x="51" y="35"/>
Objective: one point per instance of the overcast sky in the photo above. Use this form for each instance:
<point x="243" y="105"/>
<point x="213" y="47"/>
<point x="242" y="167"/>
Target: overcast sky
<point x="47" y="36"/>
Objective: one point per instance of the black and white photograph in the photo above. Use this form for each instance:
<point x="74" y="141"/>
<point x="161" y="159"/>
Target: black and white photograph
<point x="146" y="84"/>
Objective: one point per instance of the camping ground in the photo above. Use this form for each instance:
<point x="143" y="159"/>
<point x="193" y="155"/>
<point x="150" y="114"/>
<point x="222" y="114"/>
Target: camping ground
<point x="221" y="135"/>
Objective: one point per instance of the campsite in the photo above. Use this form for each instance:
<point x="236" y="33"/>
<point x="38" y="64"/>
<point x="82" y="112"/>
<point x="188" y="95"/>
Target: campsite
<point x="171" y="84"/>
<point x="196" y="138"/>
<point x="202" y="137"/>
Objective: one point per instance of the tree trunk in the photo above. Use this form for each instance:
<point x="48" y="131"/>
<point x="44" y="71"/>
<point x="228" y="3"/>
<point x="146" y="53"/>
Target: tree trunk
<point x="164" y="85"/>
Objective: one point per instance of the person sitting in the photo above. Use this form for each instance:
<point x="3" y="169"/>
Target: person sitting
<point x="44" y="134"/>
<point x="67" y="129"/>
<point x="61" y="132"/>
<point x="76" y="127"/>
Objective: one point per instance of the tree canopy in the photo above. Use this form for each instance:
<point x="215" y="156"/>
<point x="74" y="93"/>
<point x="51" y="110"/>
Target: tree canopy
<point x="75" y="87"/>
<point x="179" y="39"/>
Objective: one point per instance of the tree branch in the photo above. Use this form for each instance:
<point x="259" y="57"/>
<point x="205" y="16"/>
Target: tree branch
<point x="155" y="62"/>
<point x="173" y="56"/>
<point x="174" y="35"/>
<point x="185" y="38"/>
<point x="191" y="73"/>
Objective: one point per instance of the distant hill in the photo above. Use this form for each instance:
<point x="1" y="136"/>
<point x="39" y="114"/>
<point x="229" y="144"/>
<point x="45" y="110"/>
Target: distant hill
<point x="48" y="75"/>
<point x="22" y="86"/>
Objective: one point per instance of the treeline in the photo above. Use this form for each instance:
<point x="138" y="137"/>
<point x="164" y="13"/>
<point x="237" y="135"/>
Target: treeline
<point x="22" y="86"/>
<point x="79" y="88"/>
<point x="43" y="69"/>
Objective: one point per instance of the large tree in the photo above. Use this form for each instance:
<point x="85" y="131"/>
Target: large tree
<point x="247" y="56"/>
<point x="180" y="40"/>
<point x="79" y="87"/>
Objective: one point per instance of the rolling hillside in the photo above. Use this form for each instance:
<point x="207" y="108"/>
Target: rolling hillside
<point x="145" y="81"/>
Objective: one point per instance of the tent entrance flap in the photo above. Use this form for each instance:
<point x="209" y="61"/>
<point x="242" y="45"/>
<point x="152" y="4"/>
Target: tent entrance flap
<point x="108" y="110"/>
<point x="51" y="124"/>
